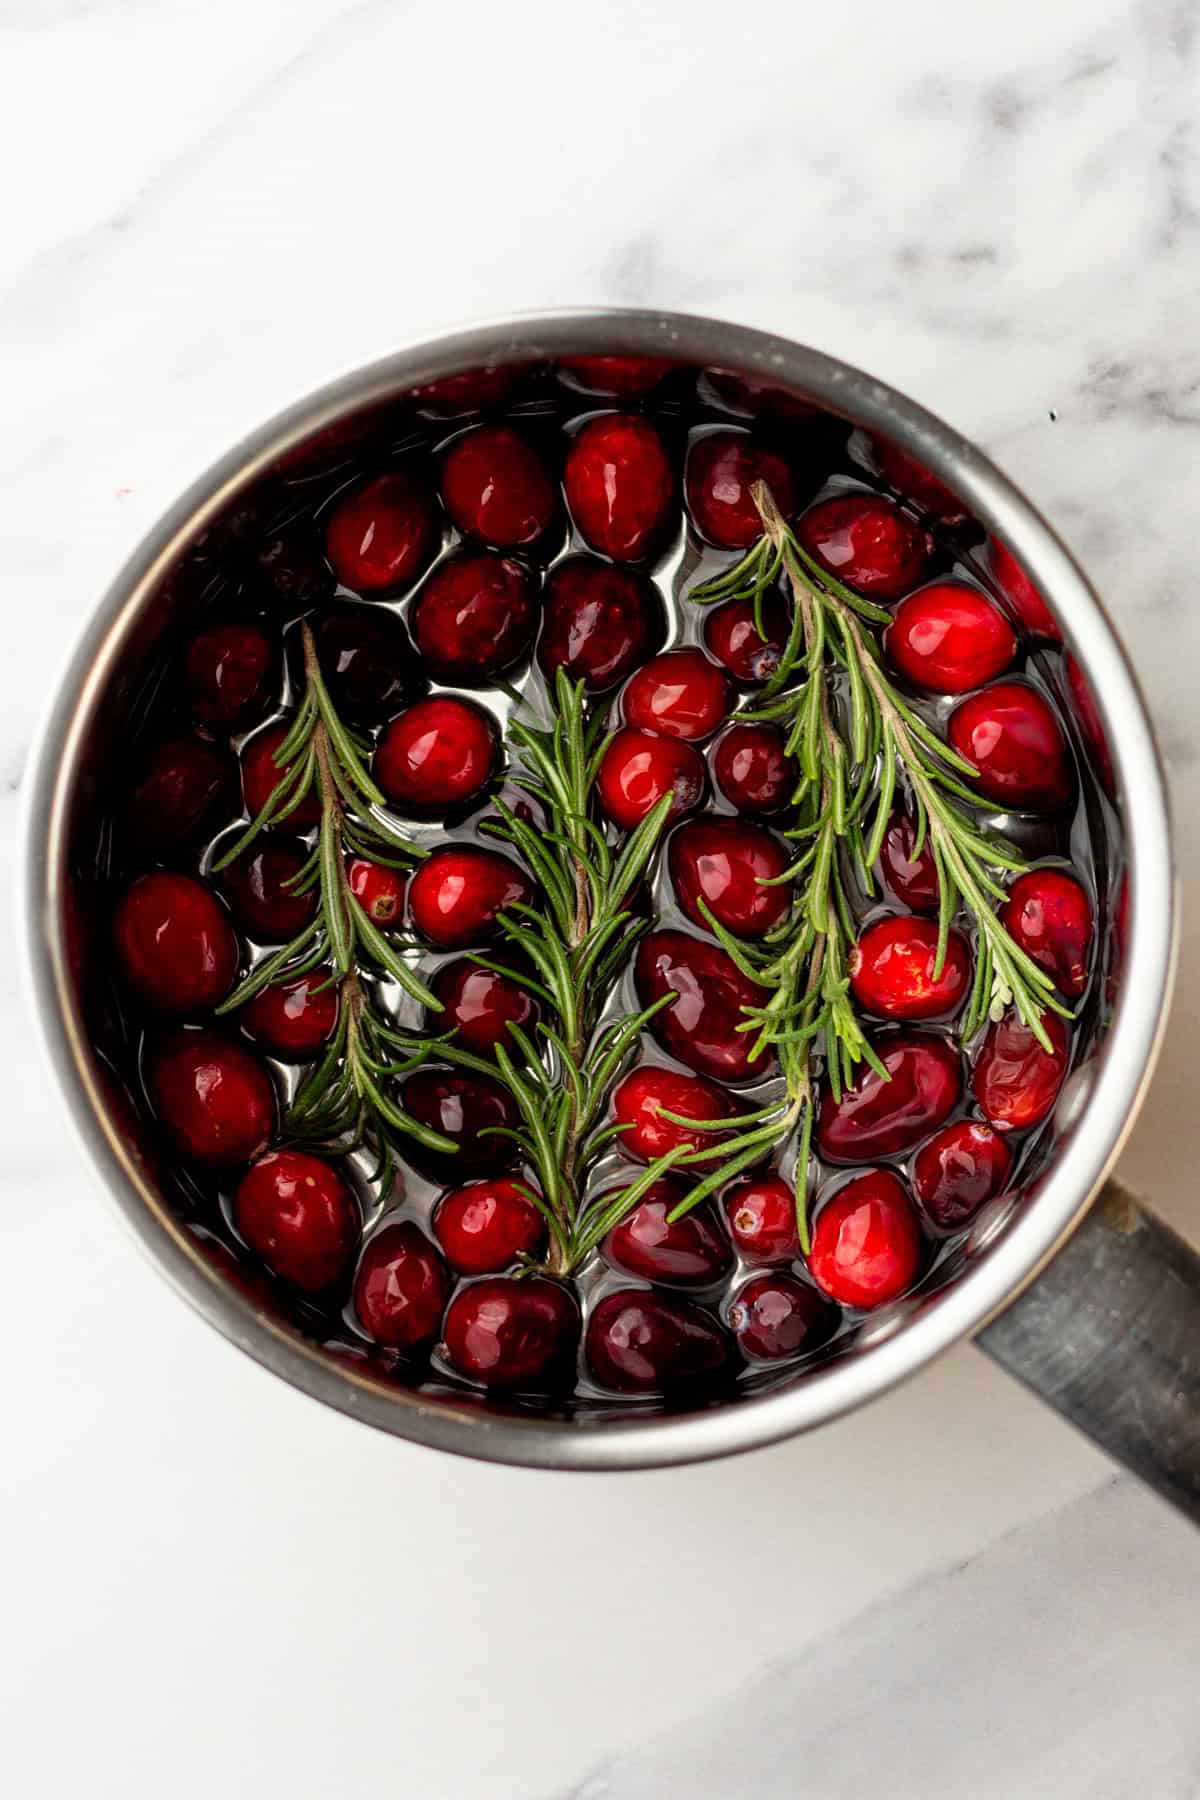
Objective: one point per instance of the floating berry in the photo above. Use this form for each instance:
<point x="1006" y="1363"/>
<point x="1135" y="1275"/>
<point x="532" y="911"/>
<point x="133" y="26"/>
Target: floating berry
<point x="368" y="663"/>
<point x="957" y="1170"/>
<point x="868" y="543"/>
<point x="638" y="769"/>
<point x="1011" y="736"/>
<point x="382" y="535"/>
<point x="478" y="1005"/>
<point x="1050" y="916"/>
<point x="722" y="468"/>
<point x="867" y="1241"/>
<point x="300" y="1216"/>
<point x="474" y="618"/>
<point x="643" y="1343"/>
<point x="1087" y="717"/>
<point x="911" y="878"/>
<point x="732" y="636"/>
<point x="486" y="1225"/>
<point x="759" y="399"/>
<point x="762" y="1219"/>
<point x="513" y="1334"/>
<point x="261" y="775"/>
<point x="947" y="638"/>
<point x="620" y="486"/>
<point x="184" y="784"/>
<point x="598" y="623"/>
<point x="892" y="970"/>
<point x="260" y="887"/>
<point x="776" y="1315"/>
<point x="466" y="1108"/>
<point x="678" y="694"/>
<point x="379" y="890"/>
<point x="458" y="894"/>
<point x="229" y="674"/>
<point x="627" y="376"/>
<point x="642" y="1096"/>
<point x="878" y="1117"/>
<point x="400" y="1287"/>
<point x="1022" y="595"/>
<point x="497" y="488"/>
<point x="914" y="481"/>
<point x="1016" y="1081"/>
<point x="454" y="396"/>
<point x="438" y="754"/>
<point x="753" y="770"/>
<point x="296" y="574"/>
<point x="701" y="1026"/>
<point x="174" y="944"/>
<point x="726" y="864"/>
<point x="689" y="1253"/>
<point x="293" y="1019"/>
<point x="214" y="1098"/>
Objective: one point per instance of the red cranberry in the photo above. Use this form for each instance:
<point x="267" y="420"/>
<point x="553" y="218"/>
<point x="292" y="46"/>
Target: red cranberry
<point x="214" y="1098"/>
<point x="497" y="488"/>
<point x="229" y="672"/>
<point x="295" y="572"/>
<point x="732" y="636"/>
<point x="1022" y="595"/>
<point x="1050" y="916"/>
<point x="959" y="1168"/>
<point x="300" y="1216"/>
<point x="1087" y="716"/>
<point x="512" y="1334"/>
<point x="759" y="399"/>
<point x="678" y="694"/>
<point x="628" y="376"/>
<point x="1011" y="735"/>
<point x="701" y="1027"/>
<point x="912" y="879"/>
<point x="868" y="543"/>
<point x="620" y="486"/>
<point x="478" y="1006"/>
<point x="438" y="754"/>
<point x="727" y="864"/>
<point x="458" y="893"/>
<point x="914" y="481"/>
<point x="475" y="390"/>
<point x="598" y="623"/>
<point x="185" y="783"/>
<point x="379" y="890"/>
<point x="690" y="1253"/>
<point x="486" y="1225"/>
<point x="1016" y="1082"/>
<point x="866" y="1247"/>
<point x="642" y="1096"/>
<point x="465" y="1108"/>
<point x="762" y="1219"/>
<point x="753" y="770"/>
<point x="261" y="775"/>
<point x="257" y="886"/>
<point x="381" y="536"/>
<point x="400" y="1288"/>
<point x="947" y="638"/>
<point x="294" y="1019"/>
<point x="474" y="618"/>
<point x="174" y="943"/>
<point x="639" y="769"/>
<point x="367" y="662"/>
<point x="878" y="1117"/>
<point x="642" y="1343"/>
<point x="776" y="1315"/>
<point x="721" y="470"/>
<point x="891" y="970"/>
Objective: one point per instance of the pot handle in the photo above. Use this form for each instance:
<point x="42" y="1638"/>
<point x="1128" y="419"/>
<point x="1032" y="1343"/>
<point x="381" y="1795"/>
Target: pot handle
<point x="1109" y="1335"/>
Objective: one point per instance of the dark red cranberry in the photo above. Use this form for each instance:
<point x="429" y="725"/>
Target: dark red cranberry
<point x="261" y="775"/>
<point x="295" y="572"/>
<point x="866" y="1246"/>
<point x="721" y="470"/>
<point x="454" y="396"/>
<point x="465" y="1108"/>
<point x="497" y="488"/>
<point x="214" y="1098"/>
<point x="1022" y="595"/>
<point x="512" y="1334"/>
<point x="947" y="638"/>
<point x="259" y="885"/>
<point x="1016" y="1081"/>
<point x="1087" y="717"/>
<point x="598" y="623"/>
<point x="458" y="893"/>
<point x="1011" y="735"/>
<point x="727" y="864"/>
<point x="914" y="481"/>
<point x="911" y="878"/>
<point x="733" y="637"/>
<point x="1050" y="916"/>
<point x="438" y="754"/>
<point x="878" y="1117"/>
<point x="701" y="1027"/>
<point x="379" y="890"/>
<point x="293" y="1019"/>
<point x="678" y="694"/>
<point x="759" y="399"/>
<point x="642" y="1096"/>
<point x="300" y="1215"/>
<point x="891" y="970"/>
<point x="762" y="1219"/>
<point x="367" y="661"/>
<point x="184" y="785"/>
<point x="776" y="1315"/>
<point x="174" y="943"/>
<point x="620" y="486"/>
<point x="478" y="1006"/>
<point x="753" y="770"/>
<point x="229" y="673"/>
<point x="868" y="543"/>
<point x="382" y="535"/>
<point x="638" y="769"/>
<point x="627" y="376"/>
<point x="474" y="618"/>
<point x="643" y="1343"/>
<point x="957" y="1170"/>
<point x="690" y="1253"/>
<point x="400" y="1287"/>
<point x="486" y="1225"/>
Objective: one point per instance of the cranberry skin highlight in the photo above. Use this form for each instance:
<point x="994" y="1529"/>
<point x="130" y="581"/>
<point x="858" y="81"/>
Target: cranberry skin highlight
<point x="175" y="946"/>
<point x="185" y="783"/>
<point x="867" y="1243"/>
<point x="775" y="1315"/>
<point x="1016" y="1081"/>
<point x="947" y="639"/>
<point x="620" y="486"/>
<point x="700" y="1027"/>
<point x="256" y="884"/>
<point x="293" y="1019"/>
<point x="958" y="1170"/>
<point x="638" y="769"/>
<point x="882" y="1118"/>
<point x="1022" y="595"/>
<point x="229" y="671"/>
<point x="892" y="970"/>
<point x="214" y="1098"/>
<point x="379" y="890"/>
<point x="367" y="662"/>
<point x="261" y="775"/>
<point x="439" y="754"/>
<point x="726" y="864"/>
<point x="598" y="623"/>
<point x="458" y="893"/>
<point x="689" y="1253"/>
<point x="300" y="1216"/>
<point x="511" y="1335"/>
<point x="867" y="542"/>
<point x="644" y="1343"/>
<point x="642" y="1096"/>
<point x="497" y="488"/>
<point x="722" y="468"/>
<point x="478" y="1006"/>
<point x="1011" y="736"/>
<point x="732" y="636"/>
<point x="1049" y="915"/>
<point x="474" y="618"/>
<point x="761" y="1213"/>
<point x="911" y="878"/>
<point x="484" y="1226"/>
<point x="465" y="1108"/>
<point x="678" y="694"/>
<point x="400" y="1287"/>
<point x="753" y="770"/>
<point x="382" y="535"/>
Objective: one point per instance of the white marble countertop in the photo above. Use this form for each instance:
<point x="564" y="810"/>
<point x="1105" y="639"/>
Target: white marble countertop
<point x="210" y="1584"/>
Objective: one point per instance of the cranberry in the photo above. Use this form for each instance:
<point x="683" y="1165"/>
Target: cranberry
<point x="259" y="887"/>
<point x="1022" y="595"/>
<point x="381" y="535"/>
<point x="891" y="970"/>
<point x="214" y="1098"/>
<point x="400" y="1288"/>
<point x="753" y="770"/>
<point x="628" y="376"/>
<point x="478" y="1006"/>
<point x="367" y="661"/>
<point x="174" y="943"/>
<point x="184" y="784"/>
<point x="866" y="1247"/>
<point x="959" y="1168"/>
<point x="293" y="1019"/>
<point x="642" y="1096"/>
<point x="261" y="775"/>
<point x="458" y="893"/>
<point x="721" y="470"/>
<point x="1050" y="916"/>
<point x="639" y="769"/>
<point x="701" y="1027"/>
<point x="762" y="1219"/>
<point x="620" y="486"/>
<point x="474" y="618"/>
<point x="598" y="623"/>
<point x="880" y="1117"/>
<point x="486" y="1225"/>
<point x="947" y="638"/>
<point x="678" y="694"/>
<point x="642" y="1343"/>
<point x="868" y="543"/>
<point x="497" y="488"/>
<point x="465" y="1108"/>
<point x="732" y="636"/>
<point x="296" y="573"/>
<point x="229" y="672"/>
<point x="1011" y="735"/>
<point x="914" y="481"/>
<point x="379" y="890"/>
<point x="912" y="879"/>
<point x="300" y="1216"/>
<point x="776" y="1315"/>
<point x="512" y="1334"/>
<point x="726" y="864"/>
<point x="438" y="754"/>
<point x="690" y="1253"/>
<point x="747" y="394"/>
<point x="1087" y="716"/>
<point x="1016" y="1081"/>
<point x="475" y="390"/>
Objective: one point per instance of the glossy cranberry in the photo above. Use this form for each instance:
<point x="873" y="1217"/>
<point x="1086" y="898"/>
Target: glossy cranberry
<point x="367" y="661"/>
<point x="911" y="878"/>
<point x="638" y="769"/>
<point x="214" y="1098"/>
<point x="878" y="1117"/>
<point x="293" y="1019"/>
<point x="478" y="1006"/>
<point x="379" y="890"/>
<point x="465" y="1108"/>
<point x="620" y="486"/>
<point x="598" y="623"/>
<point x="497" y="488"/>
<point x="892" y="970"/>
<point x="733" y="637"/>
<point x="726" y="864"/>
<point x="175" y="946"/>
<point x="722" y="468"/>
<point x="753" y="770"/>
<point x="458" y="893"/>
<point x="627" y="376"/>
<point x="868" y="543"/>
<point x="642" y="1096"/>
<point x="438" y="754"/>
<point x="947" y="638"/>
<point x="762" y="1219"/>
<point x="259" y="885"/>
<point x="679" y="694"/>
<point x="1011" y="735"/>
<point x="1016" y="1081"/>
<point x="261" y="775"/>
<point x="957" y="1170"/>
<point x="486" y="1225"/>
<point x="454" y="396"/>
<point x="381" y="535"/>
<point x="512" y="1334"/>
<point x="700" y="1028"/>
<point x="866" y="1245"/>
<point x="474" y="618"/>
<point x="643" y="1343"/>
<point x="914" y="481"/>
<point x="184" y="785"/>
<point x="400" y="1287"/>
<point x="1087" y="716"/>
<point x="229" y="674"/>
<point x="1049" y="914"/>
<point x="1022" y="595"/>
<point x="690" y="1253"/>
<point x="296" y="574"/>
<point x="299" y="1214"/>
<point x="776" y="1315"/>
